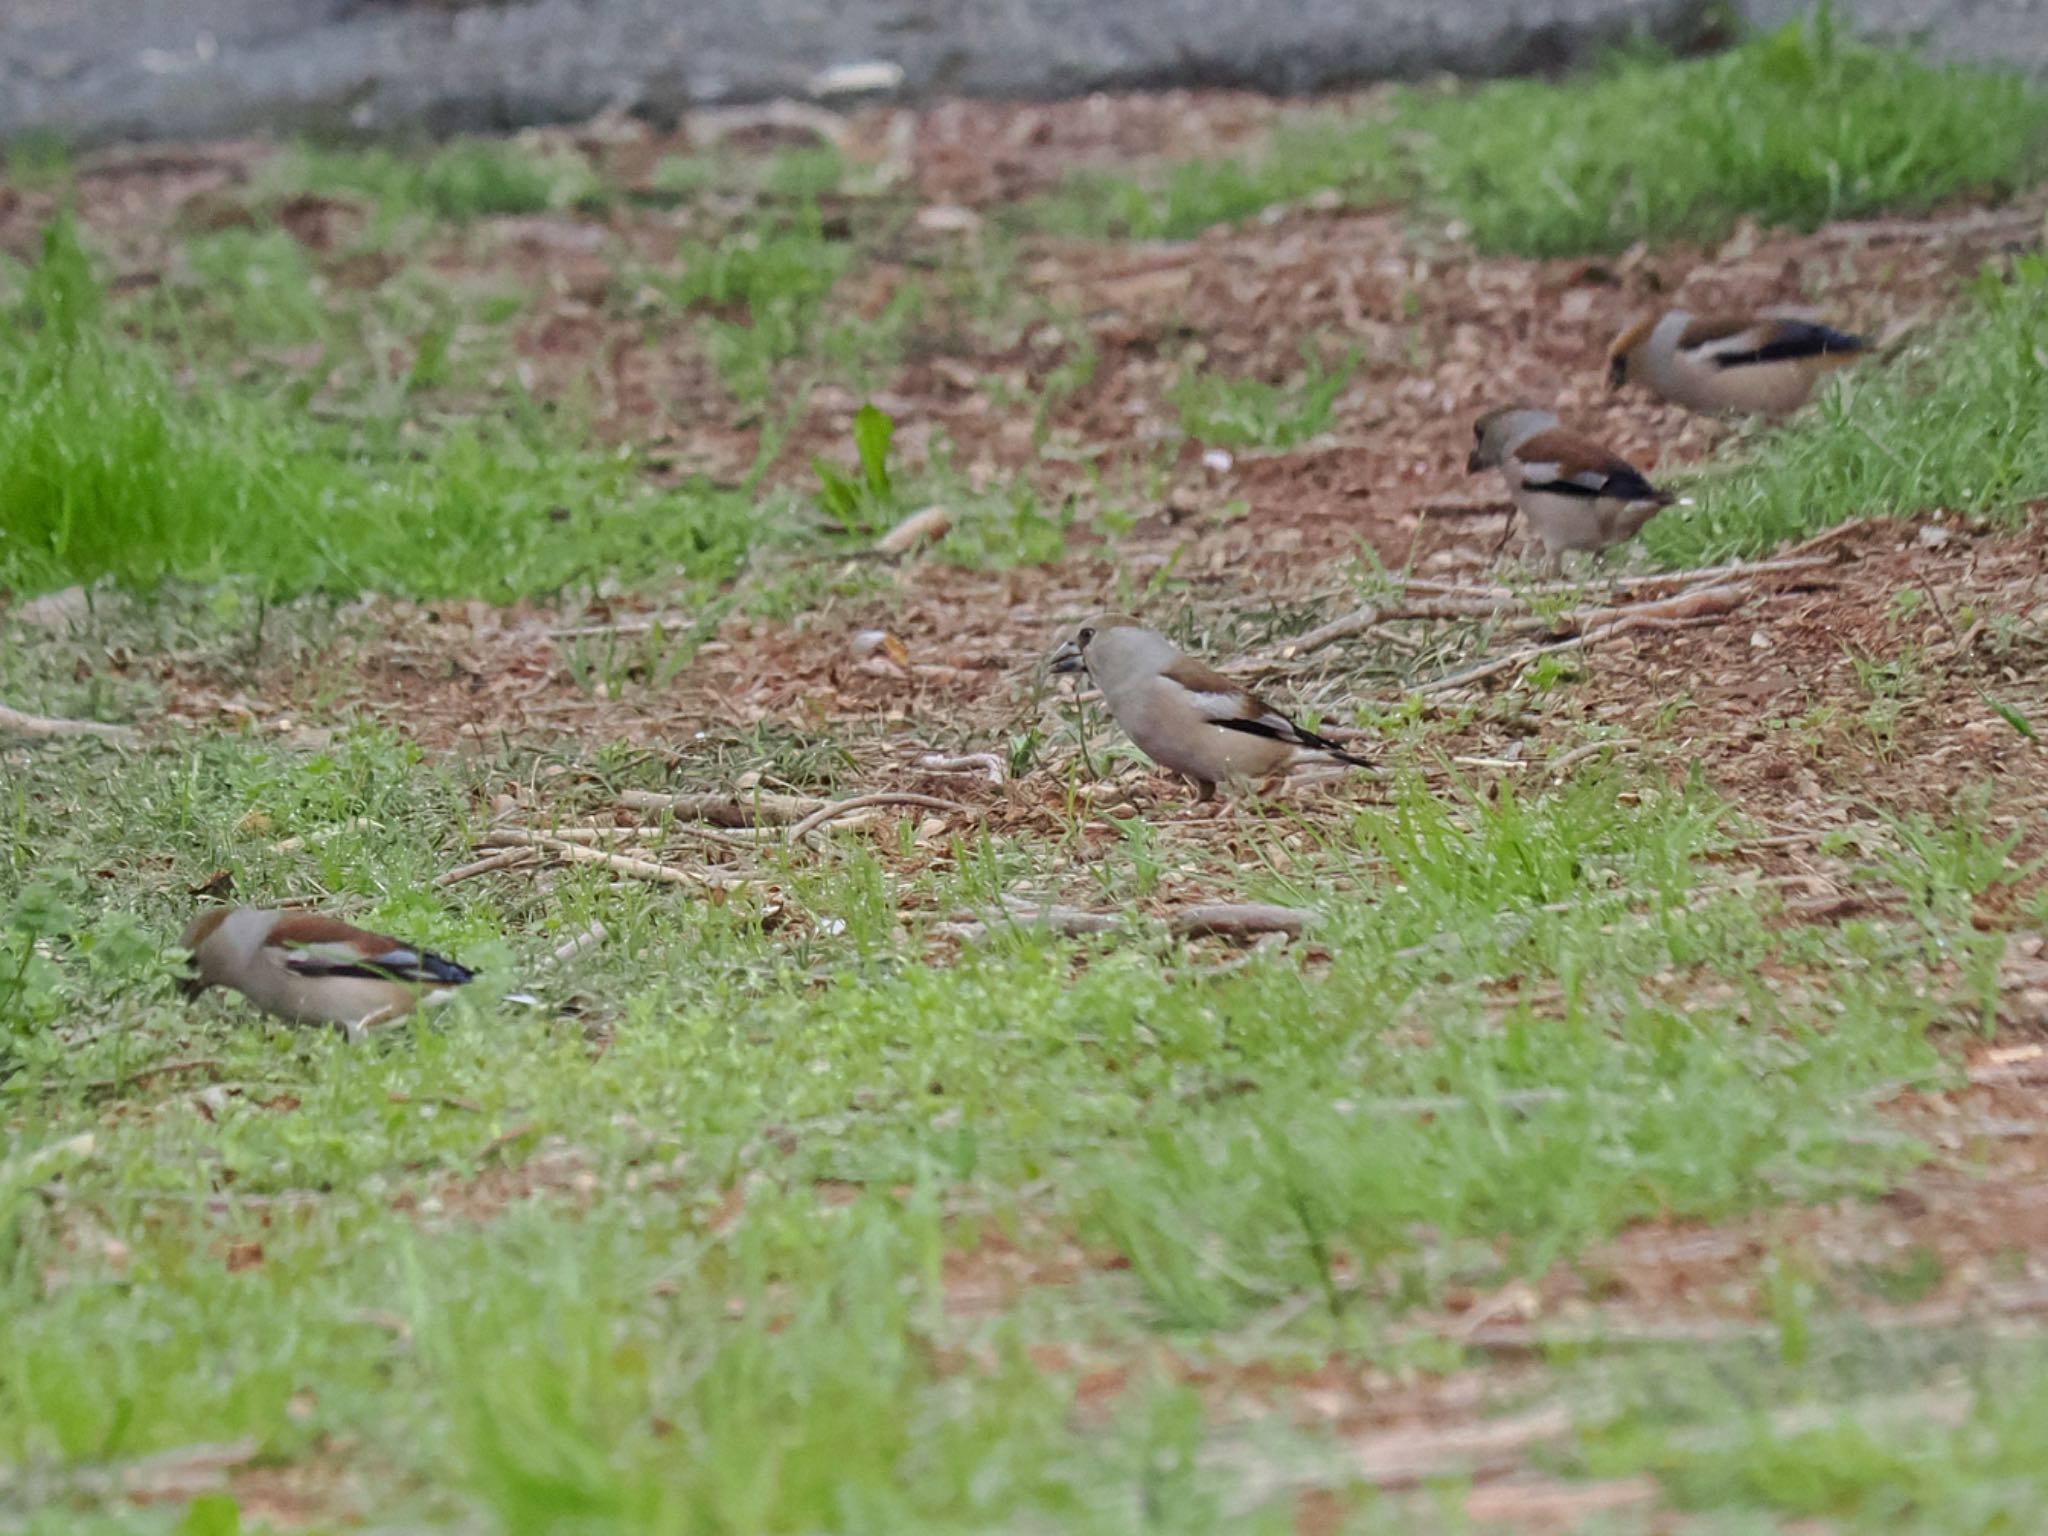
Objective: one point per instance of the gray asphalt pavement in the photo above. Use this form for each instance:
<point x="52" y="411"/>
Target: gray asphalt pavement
<point x="93" y="70"/>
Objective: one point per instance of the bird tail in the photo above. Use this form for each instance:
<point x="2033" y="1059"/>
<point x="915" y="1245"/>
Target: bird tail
<point x="1323" y="744"/>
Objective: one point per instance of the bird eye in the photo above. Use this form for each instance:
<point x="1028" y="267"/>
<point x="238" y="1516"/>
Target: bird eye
<point x="1084" y="637"/>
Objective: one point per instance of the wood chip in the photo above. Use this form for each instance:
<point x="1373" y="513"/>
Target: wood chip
<point x="918" y="528"/>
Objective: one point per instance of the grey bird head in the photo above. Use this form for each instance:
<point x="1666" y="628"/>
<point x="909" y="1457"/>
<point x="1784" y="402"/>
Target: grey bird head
<point x="1072" y="655"/>
<point x="1499" y="433"/>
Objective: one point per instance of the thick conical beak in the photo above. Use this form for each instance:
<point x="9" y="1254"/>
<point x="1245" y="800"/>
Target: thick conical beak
<point x="1068" y="658"/>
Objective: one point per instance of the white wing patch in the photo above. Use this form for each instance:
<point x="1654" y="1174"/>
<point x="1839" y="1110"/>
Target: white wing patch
<point x="1756" y="337"/>
<point x="1215" y="706"/>
<point x="339" y="955"/>
<point x="1537" y="477"/>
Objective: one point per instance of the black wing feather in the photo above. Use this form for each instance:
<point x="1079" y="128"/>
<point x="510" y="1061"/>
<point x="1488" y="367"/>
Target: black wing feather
<point x="1621" y="484"/>
<point x="395" y="965"/>
<point x="1295" y="736"/>
<point x="1795" y="339"/>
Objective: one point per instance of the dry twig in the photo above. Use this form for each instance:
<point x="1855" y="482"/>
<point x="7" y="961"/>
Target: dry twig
<point x="833" y="810"/>
<point x="753" y="809"/>
<point x="589" y="938"/>
<point x="1577" y="755"/>
<point x="504" y="858"/>
<point x="1694" y="603"/>
<point x="983" y="762"/>
<point x="1238" y="920"/>
<point x="1528" y="1338"/>
<point x="149" y="1074"/>
<point x="1509" y="660"/>
<point x="638" y="869"/>
<point x="44" y="727"/>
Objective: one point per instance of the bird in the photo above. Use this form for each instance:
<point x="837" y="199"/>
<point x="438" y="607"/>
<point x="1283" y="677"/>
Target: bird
<point x="1183" y="713"/>
<point x="1573" y="493"/>
<point x="310" y="969"/>
<point x="1744" y="364"/>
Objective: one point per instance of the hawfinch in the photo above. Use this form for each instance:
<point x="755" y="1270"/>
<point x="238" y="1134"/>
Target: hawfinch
<point x="310" y="969"/>
<point x="1573" y="493"/>
<point x="1185" y="715"/>
<point x="1716" y="364"/>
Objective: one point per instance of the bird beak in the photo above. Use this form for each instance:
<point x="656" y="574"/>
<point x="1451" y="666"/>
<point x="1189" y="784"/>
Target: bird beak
<point x="1068" y="658"/>
<point x="190" y="986"/>
<point x="1617" y="373"/>
<point x="1472" y="464"/>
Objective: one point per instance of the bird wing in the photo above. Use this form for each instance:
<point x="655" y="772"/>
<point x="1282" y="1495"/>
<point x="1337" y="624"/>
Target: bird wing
<point x="1223" y="703"/>
<point x="1729" y="341"/>
<point x="310" y="945"/>
<point x="1565" y="464"/>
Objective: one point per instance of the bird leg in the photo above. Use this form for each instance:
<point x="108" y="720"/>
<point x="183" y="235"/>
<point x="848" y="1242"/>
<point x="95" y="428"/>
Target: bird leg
<point x="359" y="1031"/>
<point x="1506" y="529"/>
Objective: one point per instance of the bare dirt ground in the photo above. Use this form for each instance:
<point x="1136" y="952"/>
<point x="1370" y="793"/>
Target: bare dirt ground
<point x="1767" y="699"/>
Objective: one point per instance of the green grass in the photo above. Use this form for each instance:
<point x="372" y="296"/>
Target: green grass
<point x="107" y="469"/>
<point x="993" y="527"/>
<point x="701" y="1268"/>
<point x="1916" y="1435"/>
<point x="465" y="180"/>
<point x="761" y="298"/>
<point x="1251" y="413"/>
<point x="705" y="1242"/>
<point x="801" y="175"/>
<point x="36" y="161"/>
<point x="1791" y="128"/>
<point x="1959" y="422"/>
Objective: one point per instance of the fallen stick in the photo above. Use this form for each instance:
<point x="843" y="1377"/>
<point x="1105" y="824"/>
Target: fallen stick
<point x="1825" y="538"/>
<point x="639" y="625"/>
<point x="504" y="858"/>
<point x="1634" y="581"/>
<point x="1509" y="659"/>
<point x="1402" y="1458"/>
<point x="588" y="836"/>
<point x="1577" y="755"/>
<point x="1503" y="604"/>
<point x="1357" y="622"/>
<point x="833" y="810"/>
<point x="639" y="869"/>
<point x="589" y="938"/>
<point x="147" y="1074"/>
<point x="1238" y="920"/>
<point x="45" y="727"/>
<point x="727" y="810"/>
<point x="1980" y="221"/>
<point x="1696" y="603"/>
<point x="1528" y="1338"/>
<point x="986" y="762"/>
<point x="1223" y="920"/>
